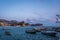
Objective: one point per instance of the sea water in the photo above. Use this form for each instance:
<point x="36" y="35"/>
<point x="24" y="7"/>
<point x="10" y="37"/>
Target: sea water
<point x="18" y="33"/>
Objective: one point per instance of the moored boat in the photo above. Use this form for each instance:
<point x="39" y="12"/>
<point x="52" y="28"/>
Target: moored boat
<point x="50" y="33"/>
<point x="37" y="29"/>
<point x="31" y="31"/>
<point x="7" y="33"/>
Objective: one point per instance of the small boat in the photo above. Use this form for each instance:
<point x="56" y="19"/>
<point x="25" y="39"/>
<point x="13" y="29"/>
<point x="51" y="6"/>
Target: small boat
<point x="57" y="30"/>
<point x="50" y="33"/>
<point x="7" y="33"/>
<point x="37" y="29"/>
<point x="5" y="29"/>
<point x="31" y="31"/>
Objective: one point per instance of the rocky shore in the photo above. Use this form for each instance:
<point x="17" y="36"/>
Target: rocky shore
<point x="4" y="22"/>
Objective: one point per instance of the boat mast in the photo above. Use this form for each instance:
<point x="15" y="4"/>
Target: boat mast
<point x="58" y="20"/>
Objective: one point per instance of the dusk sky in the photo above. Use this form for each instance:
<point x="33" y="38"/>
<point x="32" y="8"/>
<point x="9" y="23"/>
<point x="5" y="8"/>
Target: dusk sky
<point x="41" y="10"/>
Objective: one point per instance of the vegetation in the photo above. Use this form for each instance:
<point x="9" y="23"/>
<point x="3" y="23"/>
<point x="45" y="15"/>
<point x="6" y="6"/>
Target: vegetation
<point x="4" y="22"/>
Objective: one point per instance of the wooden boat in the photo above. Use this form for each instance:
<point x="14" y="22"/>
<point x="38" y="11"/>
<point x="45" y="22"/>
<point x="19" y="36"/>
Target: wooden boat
<point x="31" y="31"/>
<point x="50" y="33"/>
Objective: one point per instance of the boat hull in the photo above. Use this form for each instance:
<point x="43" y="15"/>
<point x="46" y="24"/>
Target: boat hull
<point x="31" y="31"/>
<point x="49" y="33"/>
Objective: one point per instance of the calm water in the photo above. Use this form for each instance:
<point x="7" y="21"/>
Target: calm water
<point x="18" y="33"/>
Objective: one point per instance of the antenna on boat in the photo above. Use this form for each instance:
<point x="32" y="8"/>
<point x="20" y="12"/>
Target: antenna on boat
<point x="58" y="19"/>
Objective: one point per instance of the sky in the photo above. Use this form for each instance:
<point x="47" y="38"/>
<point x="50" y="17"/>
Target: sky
<point x="35" y="10"/>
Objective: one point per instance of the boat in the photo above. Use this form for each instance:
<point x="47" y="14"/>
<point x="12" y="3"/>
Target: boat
<point x="31" y="31"/>
<point x="50" y="33"/>
<point x="5" y="29"/>
<point x="7" y="33"/>
<point x="37" y="29"/>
